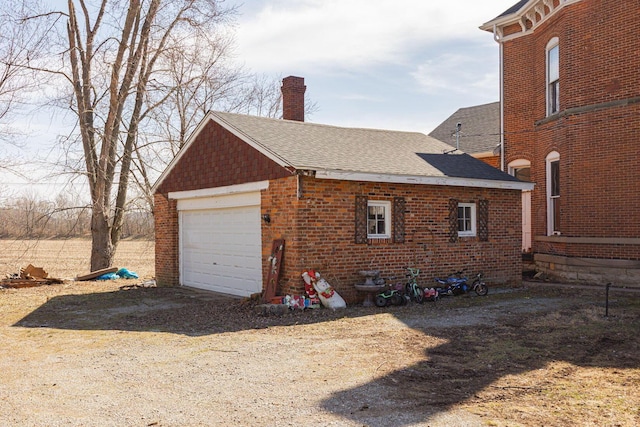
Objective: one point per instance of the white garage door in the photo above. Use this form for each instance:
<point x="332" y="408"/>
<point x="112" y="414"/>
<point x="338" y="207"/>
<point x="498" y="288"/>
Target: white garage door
<point x="220" y="249"/>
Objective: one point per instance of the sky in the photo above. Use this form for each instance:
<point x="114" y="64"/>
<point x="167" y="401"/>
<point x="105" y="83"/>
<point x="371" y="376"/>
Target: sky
<point x="401" y="65"/>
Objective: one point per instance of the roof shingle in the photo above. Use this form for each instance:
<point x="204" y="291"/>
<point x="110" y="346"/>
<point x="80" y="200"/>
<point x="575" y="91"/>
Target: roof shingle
<point x="480" y="131"/>
<point x="310" y="146"/>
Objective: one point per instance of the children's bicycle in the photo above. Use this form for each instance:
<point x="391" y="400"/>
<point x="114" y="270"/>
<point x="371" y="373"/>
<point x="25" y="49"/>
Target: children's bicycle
<point x="393" y="295"/>
<point x="415" y="292"/>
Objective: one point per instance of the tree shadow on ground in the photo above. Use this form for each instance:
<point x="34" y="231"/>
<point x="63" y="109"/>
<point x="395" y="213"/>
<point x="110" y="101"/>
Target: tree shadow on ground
<point x="479" y="364"/>
<point x="176" y="310"/>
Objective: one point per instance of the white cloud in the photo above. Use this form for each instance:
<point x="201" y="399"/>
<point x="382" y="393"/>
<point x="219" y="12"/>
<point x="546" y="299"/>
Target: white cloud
<point x="458" y="73"/>
<point x="310" y="34"/>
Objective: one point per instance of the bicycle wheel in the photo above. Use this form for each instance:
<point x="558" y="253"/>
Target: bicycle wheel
<point x="381" y="301"/>
<point x="418" y="294"/>
<point x="397" y="299"/>
<point x="481" y="289"/>
<point x="408" y="290"/>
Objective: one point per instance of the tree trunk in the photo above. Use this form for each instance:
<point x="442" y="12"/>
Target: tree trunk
<point x="102" y="249"/>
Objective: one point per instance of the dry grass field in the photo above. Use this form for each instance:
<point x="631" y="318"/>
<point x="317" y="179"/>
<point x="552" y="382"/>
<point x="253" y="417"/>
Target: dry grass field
<point x="65" y="259"/>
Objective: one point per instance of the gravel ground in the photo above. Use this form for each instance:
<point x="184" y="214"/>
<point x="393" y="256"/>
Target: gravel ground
<point x="95" y="354"/>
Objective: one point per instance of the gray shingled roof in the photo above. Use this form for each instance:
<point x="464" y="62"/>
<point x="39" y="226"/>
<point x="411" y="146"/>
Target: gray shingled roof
<point x="513" y="9"/>
<point x="480" y="131"/>
<point x="310" y="146"/>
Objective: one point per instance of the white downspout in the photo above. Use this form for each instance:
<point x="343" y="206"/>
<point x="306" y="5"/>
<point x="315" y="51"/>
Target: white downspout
<point x="497" y="38"/>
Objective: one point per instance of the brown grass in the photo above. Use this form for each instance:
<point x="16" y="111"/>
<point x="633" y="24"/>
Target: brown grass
<point x="533" y="356"/>
<point x="69" y="258"/>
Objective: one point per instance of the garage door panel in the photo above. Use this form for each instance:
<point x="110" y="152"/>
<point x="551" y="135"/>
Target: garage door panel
<point x="221" y="250"/>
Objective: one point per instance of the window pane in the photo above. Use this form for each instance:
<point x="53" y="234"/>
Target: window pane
<point x="523" y="174"/>
<point x="376" y="220"/>
<point x="555" y="178"/>
<point x="554" y="64"/>
<point x="555" y="209"/>
<point x="554" y="97"/>
<point x="464" y="218"/>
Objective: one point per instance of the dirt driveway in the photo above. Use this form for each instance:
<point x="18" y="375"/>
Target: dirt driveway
<point x="92" y="354"/>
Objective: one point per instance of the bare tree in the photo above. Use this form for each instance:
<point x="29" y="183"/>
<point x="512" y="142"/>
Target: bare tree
<point x="114" y="53"/>
<point x="19" y="44"/>
<point x="156" y="65"/>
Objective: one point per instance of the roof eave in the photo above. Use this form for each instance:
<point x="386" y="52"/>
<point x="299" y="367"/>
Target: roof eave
<point x="516" y="17"/>
<point x="423" y="180"/>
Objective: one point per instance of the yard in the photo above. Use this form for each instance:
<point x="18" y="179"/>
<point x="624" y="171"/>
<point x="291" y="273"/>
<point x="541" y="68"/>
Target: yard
<point x="107" y="353"/>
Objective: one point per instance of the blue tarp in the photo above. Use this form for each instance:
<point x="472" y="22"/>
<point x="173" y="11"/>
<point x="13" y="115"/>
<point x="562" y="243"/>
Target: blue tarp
<point x="123" y="273"/>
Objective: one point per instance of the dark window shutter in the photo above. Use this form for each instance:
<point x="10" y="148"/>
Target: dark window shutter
<point x="361" y="219"/>
<point x="483" y="220"/>
<point x="453" y="220"/>
<point x="398" y="219"/>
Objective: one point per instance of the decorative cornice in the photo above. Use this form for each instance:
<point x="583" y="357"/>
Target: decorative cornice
<point x="530" y="16"/>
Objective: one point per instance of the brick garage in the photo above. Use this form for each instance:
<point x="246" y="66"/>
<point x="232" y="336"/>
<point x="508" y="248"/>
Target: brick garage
<point x="594" y="131"/>
<point x="314" y="207"/>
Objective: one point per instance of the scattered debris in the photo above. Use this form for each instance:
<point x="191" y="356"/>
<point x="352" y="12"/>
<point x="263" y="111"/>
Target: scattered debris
<point x="29" y="277"/>
<point x="146" y="284"/>
<point x="97" y="273"/>
<point x="122" y="273"/>
<point x="541" y="276"/>
<point x="110" y="273"/>
<point x="31" y="272"/>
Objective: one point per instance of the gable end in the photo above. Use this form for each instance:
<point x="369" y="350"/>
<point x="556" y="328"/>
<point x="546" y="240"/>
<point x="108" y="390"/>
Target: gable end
<point x="217" y="158"/>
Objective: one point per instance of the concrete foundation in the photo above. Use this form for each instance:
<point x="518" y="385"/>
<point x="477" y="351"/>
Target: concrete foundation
<point x="591" y="271"/>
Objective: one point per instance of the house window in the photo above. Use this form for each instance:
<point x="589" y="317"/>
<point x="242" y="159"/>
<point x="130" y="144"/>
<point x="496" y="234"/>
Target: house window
<point x="553" y="193"/>
<point x="523" y="173"/>
<point x="520" y="169"/>
<point x="553" y="76"/>
<point x="378" y="220"/>
<point x="466" y="219"/>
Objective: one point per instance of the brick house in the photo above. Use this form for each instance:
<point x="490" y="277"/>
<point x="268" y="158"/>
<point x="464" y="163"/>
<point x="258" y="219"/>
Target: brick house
<point x="342" y="199"/>
<point x="570" y="92"/>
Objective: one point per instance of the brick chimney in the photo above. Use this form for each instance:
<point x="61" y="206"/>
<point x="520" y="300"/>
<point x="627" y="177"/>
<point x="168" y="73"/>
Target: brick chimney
<point x="293" y="89"/>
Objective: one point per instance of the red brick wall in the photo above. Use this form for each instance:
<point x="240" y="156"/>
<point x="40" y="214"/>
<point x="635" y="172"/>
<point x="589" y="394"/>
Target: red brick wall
<point x="166" y="229"/>
<point x="596" y="132"/>
<point x="491" y="161"/>
<point x="317" y="220"/>
<point x="293" y="90"/>
<point x="319" y="229"/>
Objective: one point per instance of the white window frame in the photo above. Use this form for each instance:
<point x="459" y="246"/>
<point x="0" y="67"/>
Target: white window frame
<point x="554" y="43"/>
<point x="554" y="156"/>
<point x="387" y="219"/>
<point x="518" y="164"/>
<point x="472" y="231"/>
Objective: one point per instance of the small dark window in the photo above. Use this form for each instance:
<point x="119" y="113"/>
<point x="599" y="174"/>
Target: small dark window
<point x="523" y="174"/>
